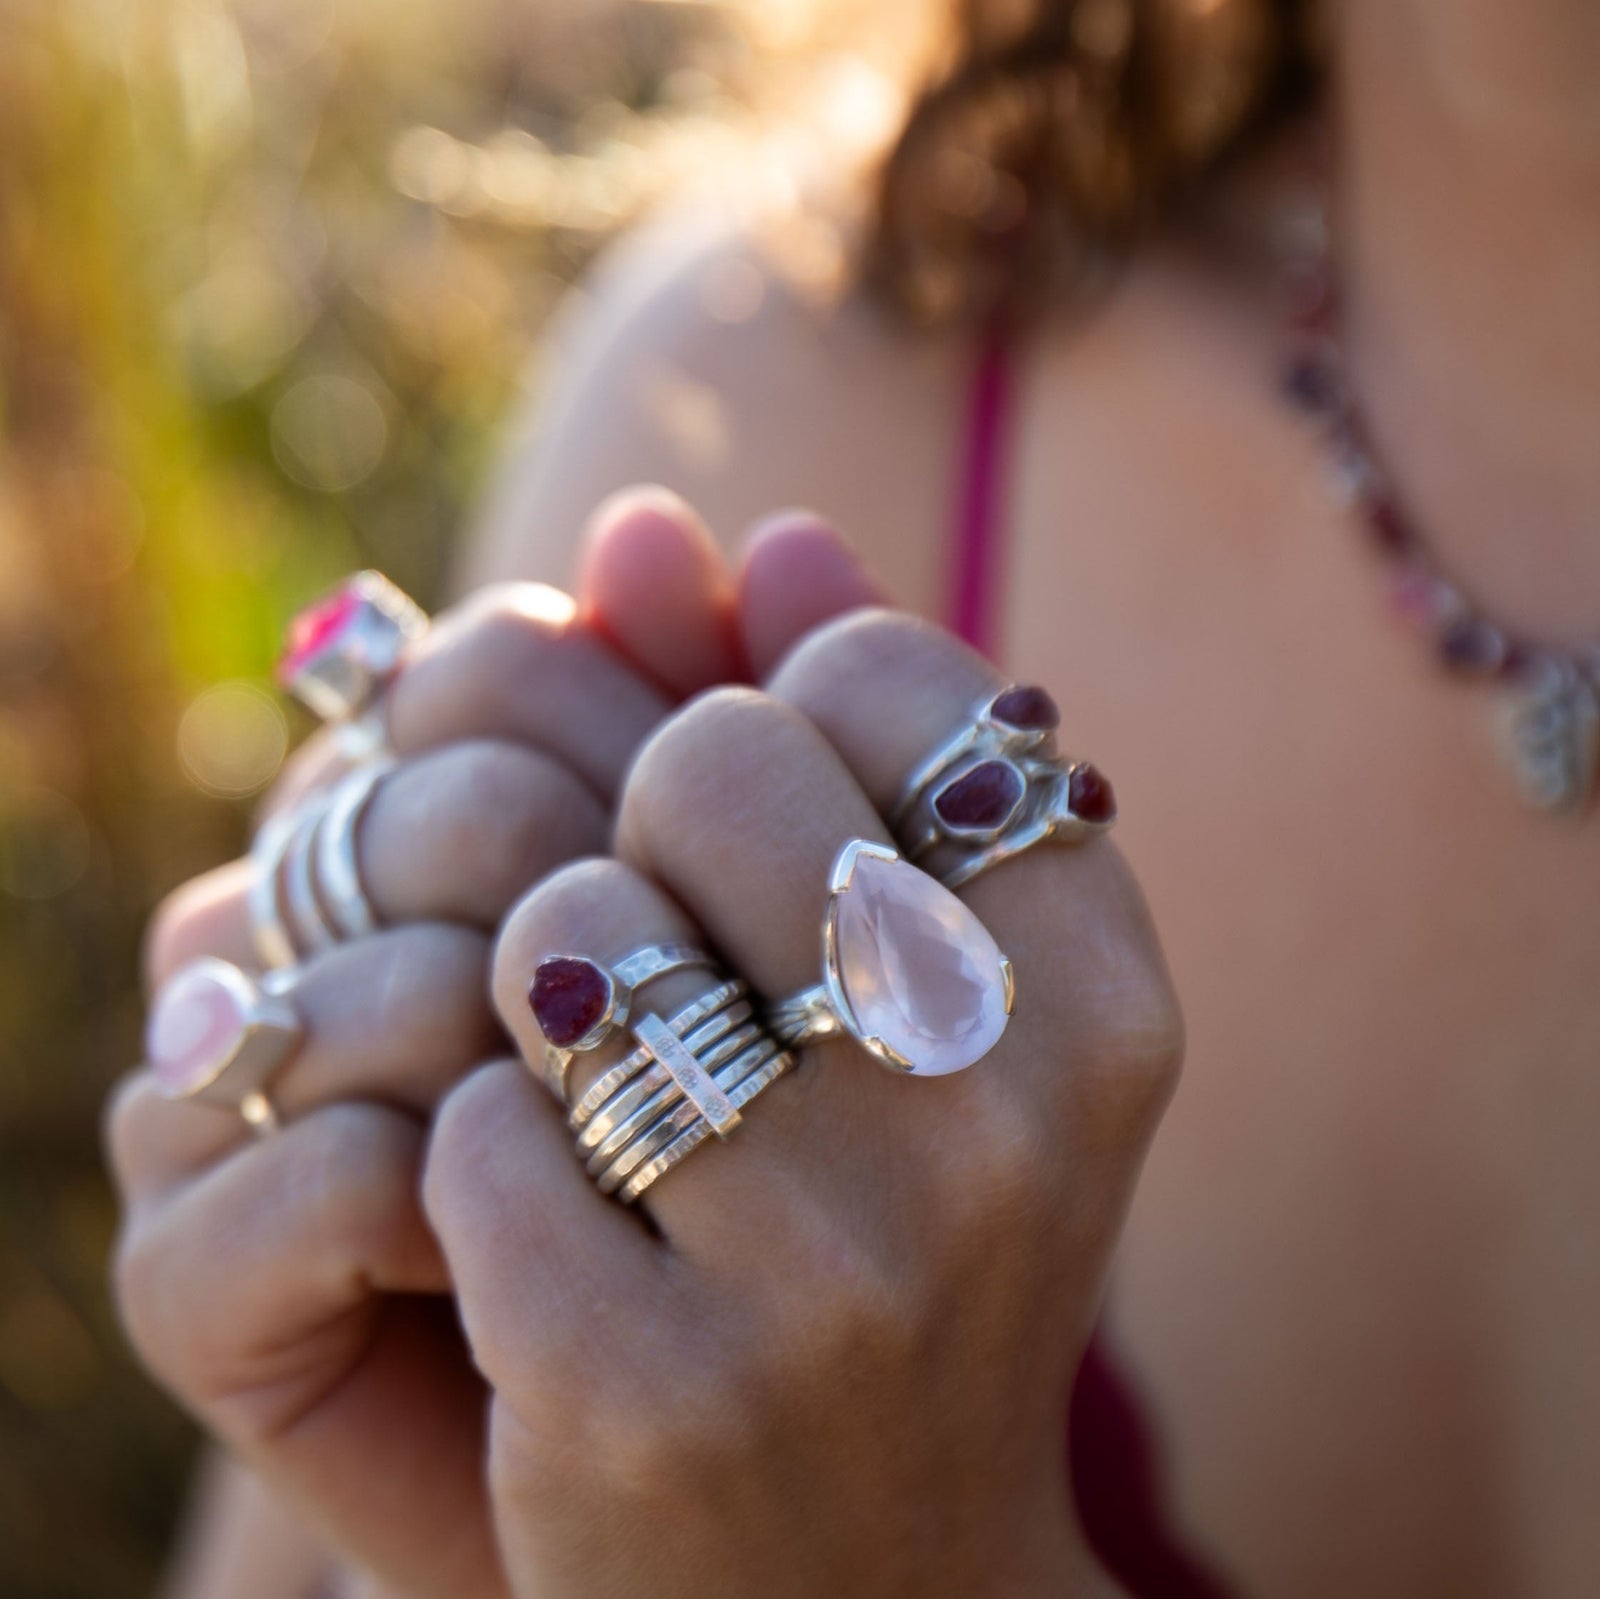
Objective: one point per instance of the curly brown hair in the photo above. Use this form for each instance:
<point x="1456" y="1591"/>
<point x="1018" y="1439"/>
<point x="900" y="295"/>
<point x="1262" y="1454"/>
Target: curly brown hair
<point x="1059" y="132"/>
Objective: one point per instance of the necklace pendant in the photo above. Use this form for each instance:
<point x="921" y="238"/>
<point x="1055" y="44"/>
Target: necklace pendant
<point x="1553" y="738"/>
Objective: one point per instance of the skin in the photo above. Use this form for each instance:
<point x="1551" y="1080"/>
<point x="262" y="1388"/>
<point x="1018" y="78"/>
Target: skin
<point x="1357" y="1285"/>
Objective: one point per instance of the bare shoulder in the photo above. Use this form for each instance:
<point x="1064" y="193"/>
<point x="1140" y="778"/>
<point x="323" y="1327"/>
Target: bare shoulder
<point x="708" y="356"/>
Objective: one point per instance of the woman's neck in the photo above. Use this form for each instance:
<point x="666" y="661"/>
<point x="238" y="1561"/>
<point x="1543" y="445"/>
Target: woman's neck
<point x="1468" y="230"/>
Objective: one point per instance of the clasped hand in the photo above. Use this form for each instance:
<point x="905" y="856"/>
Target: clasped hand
<point x="830" y="1356"/>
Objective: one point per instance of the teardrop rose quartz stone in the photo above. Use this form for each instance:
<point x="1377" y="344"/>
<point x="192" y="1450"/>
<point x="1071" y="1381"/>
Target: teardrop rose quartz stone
<point x="918" y="969"/>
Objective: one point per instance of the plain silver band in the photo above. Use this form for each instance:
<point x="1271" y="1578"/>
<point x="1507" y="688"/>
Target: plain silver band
<point x="309" y="928"/>
<point x="338" y="860"/>
<point x="707" y="1006"/>
<point x="264" y="902"/>
<point x="686" y="1143"/>
<point x="682" y="1117"/>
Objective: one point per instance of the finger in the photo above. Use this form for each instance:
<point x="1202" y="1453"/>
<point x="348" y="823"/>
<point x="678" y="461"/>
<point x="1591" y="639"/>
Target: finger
<point x="797" y="573"/>
<point x="204" y="916"/>
<point x="396" y="1019"/>
<point x="887" y="689"/>
<point x="739" y="807"/>
<point x="547" y="1272"/>
<point x="654" y="584"/>
<point x="602" y="910"/>
<point x="451" y="836"/>
<point x="515" y="662"/>
<point x="253" y="1293"/>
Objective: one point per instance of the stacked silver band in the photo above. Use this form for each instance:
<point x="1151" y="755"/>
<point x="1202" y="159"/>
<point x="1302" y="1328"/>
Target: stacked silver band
<point x="307" y="893"/>
<point x="686" y="1080"/>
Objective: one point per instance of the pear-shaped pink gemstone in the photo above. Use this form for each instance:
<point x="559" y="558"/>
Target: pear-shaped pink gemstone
<point x="918" y="969"/>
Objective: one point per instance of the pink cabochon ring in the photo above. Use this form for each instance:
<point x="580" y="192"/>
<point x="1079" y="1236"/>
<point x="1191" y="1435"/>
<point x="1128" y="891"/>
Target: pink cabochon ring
<point x="340" y="651"/>
<point x="217" y="1036"/>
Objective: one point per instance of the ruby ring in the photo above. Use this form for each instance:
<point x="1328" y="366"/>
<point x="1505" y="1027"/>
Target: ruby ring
<point x="342" y="650"/>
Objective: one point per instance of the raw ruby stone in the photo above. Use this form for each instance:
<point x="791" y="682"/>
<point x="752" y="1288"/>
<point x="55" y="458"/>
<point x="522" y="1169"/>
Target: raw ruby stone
<point x="315" y="628"/>
<point x="1026" y="708"/>
<point x="981" y="799"/>
<point x="569" y="998"/>
<point x="1090" y="795"/>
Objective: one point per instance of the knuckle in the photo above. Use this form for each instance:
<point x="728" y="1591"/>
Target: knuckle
<point x="141" y="1291"/>
<point x="874" y="641"/>
<point x="1002" y="1174"/>
<point x="557" y="900"/>
<point x="718" y="746"/>
<point x="430" y="987"/>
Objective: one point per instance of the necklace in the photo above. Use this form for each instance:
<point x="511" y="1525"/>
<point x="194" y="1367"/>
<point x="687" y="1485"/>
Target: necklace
<point x="1549" y="724"/>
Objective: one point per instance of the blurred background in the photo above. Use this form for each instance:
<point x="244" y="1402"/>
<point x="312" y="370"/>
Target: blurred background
<point x="272" y="273"/>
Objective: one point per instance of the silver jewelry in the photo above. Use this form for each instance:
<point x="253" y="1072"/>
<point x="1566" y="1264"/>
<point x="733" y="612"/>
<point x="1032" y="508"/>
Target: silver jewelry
<point x="309" y="928"/>
<point x="998" y="787"/>
<point x="908" y="971"/>
<point x="580" y="1004"/>
<point x="337" y="861"/>
<point x="217" y="1037"/>
<point x="708" y="1019"/>
<point x="343" y="649"/>
<point x="264" y="901"/>
<point x="691" y="1139"/>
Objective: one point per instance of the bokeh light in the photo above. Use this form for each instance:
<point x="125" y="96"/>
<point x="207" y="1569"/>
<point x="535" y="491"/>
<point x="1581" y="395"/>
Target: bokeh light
<point x="232" y="740"/>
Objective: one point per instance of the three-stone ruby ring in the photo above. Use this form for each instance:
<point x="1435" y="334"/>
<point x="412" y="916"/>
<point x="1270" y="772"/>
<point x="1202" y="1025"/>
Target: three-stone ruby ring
<point x="997" y="788"/>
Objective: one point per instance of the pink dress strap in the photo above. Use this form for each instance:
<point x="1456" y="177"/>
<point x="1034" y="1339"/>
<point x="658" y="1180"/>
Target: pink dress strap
<point x="1116" y="1477"/>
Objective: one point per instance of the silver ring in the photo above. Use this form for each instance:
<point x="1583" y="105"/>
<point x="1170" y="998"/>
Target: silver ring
<point x="579" y="1004"/>
<point x="687" y="1142"/>
<point x="1018" y="721"/>
<point x="700" y="1023"/>
<point x="908" y="971"/>
<point x="337" y="861"/>
<point x="342" y="649"/>
<point x="217" y="1037"/>
<point x="264" y="900"/>
<point x="999" y="787"/>
<point x="310" y="931"/>
<point x="611" y="1174"/>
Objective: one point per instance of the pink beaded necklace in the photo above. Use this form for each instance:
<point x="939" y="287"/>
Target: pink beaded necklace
<point x="1550" y="722"/>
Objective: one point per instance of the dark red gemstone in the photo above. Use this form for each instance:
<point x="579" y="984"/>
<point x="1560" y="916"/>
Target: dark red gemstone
<point x="1388" y="524"/>
<point x="1090" y="796"/>
<point x="1468" y="645"/>
<point x="569" y="998"/>
<point x="1026" y="708"/>
<point x="982" y="799"/>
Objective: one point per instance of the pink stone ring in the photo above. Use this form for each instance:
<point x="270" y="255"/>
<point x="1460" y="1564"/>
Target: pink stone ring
<point x="342" y="650"/>
<point x="997" y="788"/>
<point x="908" y="971"/>
<point x="218" y="1037"/>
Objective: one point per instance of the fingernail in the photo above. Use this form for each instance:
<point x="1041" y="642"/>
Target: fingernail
<point x="195" y="1028"/>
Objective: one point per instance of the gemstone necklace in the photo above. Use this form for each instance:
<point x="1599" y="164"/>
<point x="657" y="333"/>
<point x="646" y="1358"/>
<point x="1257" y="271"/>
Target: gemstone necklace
<point x="1550" y="718"/>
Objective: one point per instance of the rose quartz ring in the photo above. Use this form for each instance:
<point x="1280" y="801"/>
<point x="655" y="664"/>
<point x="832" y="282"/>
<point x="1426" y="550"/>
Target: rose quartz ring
<point x="216" y="1036"/>
<point x="344" y="648"/>
<point x="997" y="788"/>
<point x="909" y="972"/>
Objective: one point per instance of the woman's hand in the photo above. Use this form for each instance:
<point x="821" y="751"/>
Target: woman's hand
<point x="839" y="1361"/>
<point x="288" y="1290"/>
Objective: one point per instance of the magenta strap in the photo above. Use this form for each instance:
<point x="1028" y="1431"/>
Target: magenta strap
<point x="972" y="601"/>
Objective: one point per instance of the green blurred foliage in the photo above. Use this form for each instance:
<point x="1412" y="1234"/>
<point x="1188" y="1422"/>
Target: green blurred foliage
<point x="270" y="273"/>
